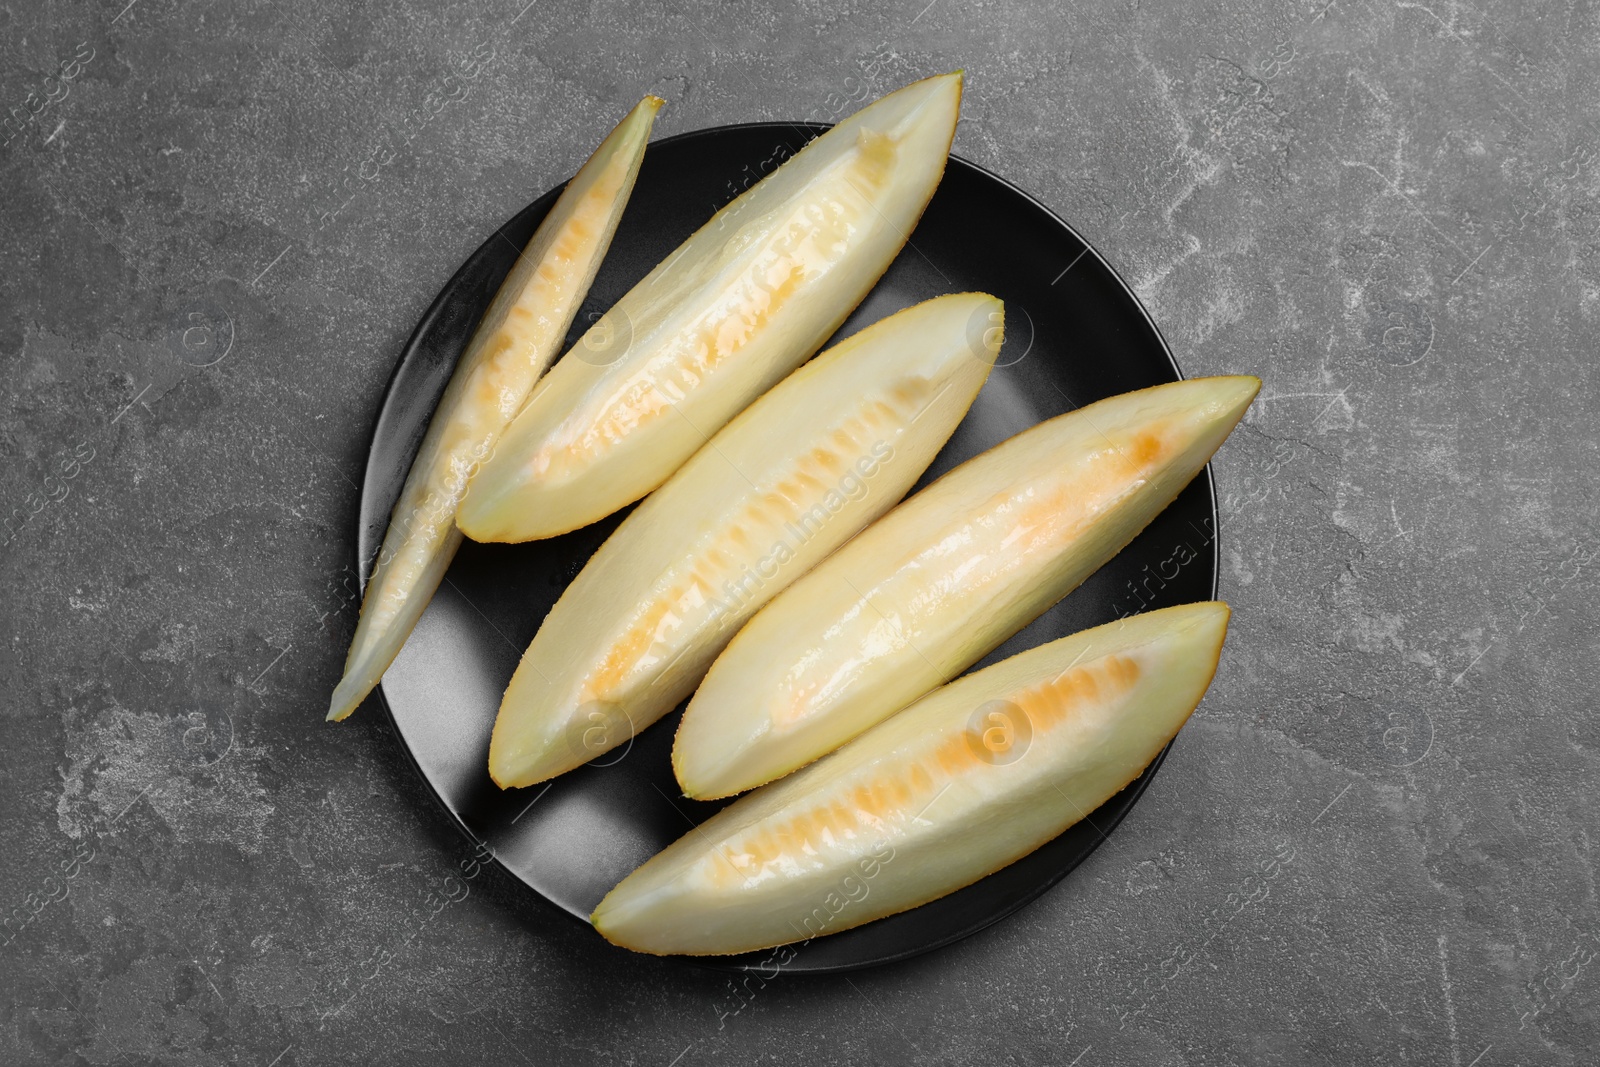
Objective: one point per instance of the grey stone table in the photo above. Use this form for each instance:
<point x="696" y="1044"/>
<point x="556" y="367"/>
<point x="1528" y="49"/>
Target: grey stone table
<point x="220" y="221"/>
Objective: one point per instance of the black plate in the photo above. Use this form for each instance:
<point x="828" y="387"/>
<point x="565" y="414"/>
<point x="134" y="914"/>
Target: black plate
<point x="1074" y="334"/>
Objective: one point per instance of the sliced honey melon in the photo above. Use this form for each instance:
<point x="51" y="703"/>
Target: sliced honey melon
<point x="746" y="299"/>
<point x="937" y="583"/>
<point x="804" y="468"/>
<point x="515" y="341"/>
<point x="972" y="777"/>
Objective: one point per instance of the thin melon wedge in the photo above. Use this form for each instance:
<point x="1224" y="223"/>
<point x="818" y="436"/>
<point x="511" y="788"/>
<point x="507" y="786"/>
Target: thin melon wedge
<point x="972" y="777"/>
<point x="515" y="341"/>
<point x="746" y="299"/>
<point x="937" y="583"/>
<point x="826" y="451"/>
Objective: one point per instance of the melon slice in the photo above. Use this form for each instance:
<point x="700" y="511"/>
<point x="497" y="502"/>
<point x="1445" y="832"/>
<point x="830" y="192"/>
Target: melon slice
<point x="940" y="581"/>
<point x="826" y="451"/>
<point x="515" y="341"/>
<point x="972" y="777"/>
<point x="746" y="299"/>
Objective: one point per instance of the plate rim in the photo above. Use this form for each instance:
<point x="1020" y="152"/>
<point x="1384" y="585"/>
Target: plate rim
<point x="436" y="308"/>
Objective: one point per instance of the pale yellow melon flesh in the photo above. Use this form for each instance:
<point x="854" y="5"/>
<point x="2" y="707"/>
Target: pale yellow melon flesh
<point x="745" y="300"/>
<point x="972" y="777"/>
<point x="937" y="583"/>
<point x="826" y="451"/>
<point x="515" y="341"/>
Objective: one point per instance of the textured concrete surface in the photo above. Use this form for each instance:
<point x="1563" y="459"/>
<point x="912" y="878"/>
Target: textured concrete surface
<point x="1375" y="842"/>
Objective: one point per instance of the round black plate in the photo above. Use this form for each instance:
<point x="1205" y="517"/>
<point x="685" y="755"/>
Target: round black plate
<point x="1074" y="334"/>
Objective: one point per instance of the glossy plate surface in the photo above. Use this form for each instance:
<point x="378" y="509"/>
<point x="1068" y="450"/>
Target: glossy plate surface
<point x="1074" y="334"/>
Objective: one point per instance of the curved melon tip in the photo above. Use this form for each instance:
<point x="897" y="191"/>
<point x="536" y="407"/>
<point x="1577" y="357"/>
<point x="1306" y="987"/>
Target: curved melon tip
<point x="514" y="776"/>
<point x="1211" y="614"/>
<point x="717" y="778"/>
<point x="345" y="700"/>
<point x="1223" y="611"/>
<point x="707" y="791"/>
<point x="499" y="773"/>
<point x="598" y="919"/>
<point x="637" y="933"/>
<point x="1241" y="388"/>
<point x="955" y="80"/>
<point x="643" y="112"/>
<point x="509" y="773"/>
<point x="718" y="787"/>
<point x="693" y="784"/>
<point x="1207" y="619"/>
<point x="480" y="527"/>
<point x="957" y="77"/>
<point x="509" y="769"/>
<point x="620" y="938"/>
<point x="495" y="523"/>
<point x="487" y="531"/>
<point x="1199" y="609"/>
<point x="604" y="911"/>
<point x="677" y="764"/>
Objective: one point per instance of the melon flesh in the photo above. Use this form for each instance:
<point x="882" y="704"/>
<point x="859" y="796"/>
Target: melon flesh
<point x="515" y="341"/>
<point x="940" y="581"/>
<point x="746" y="299"/>
<point x="972" y="777"/>
<point x="826" y="451"/>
